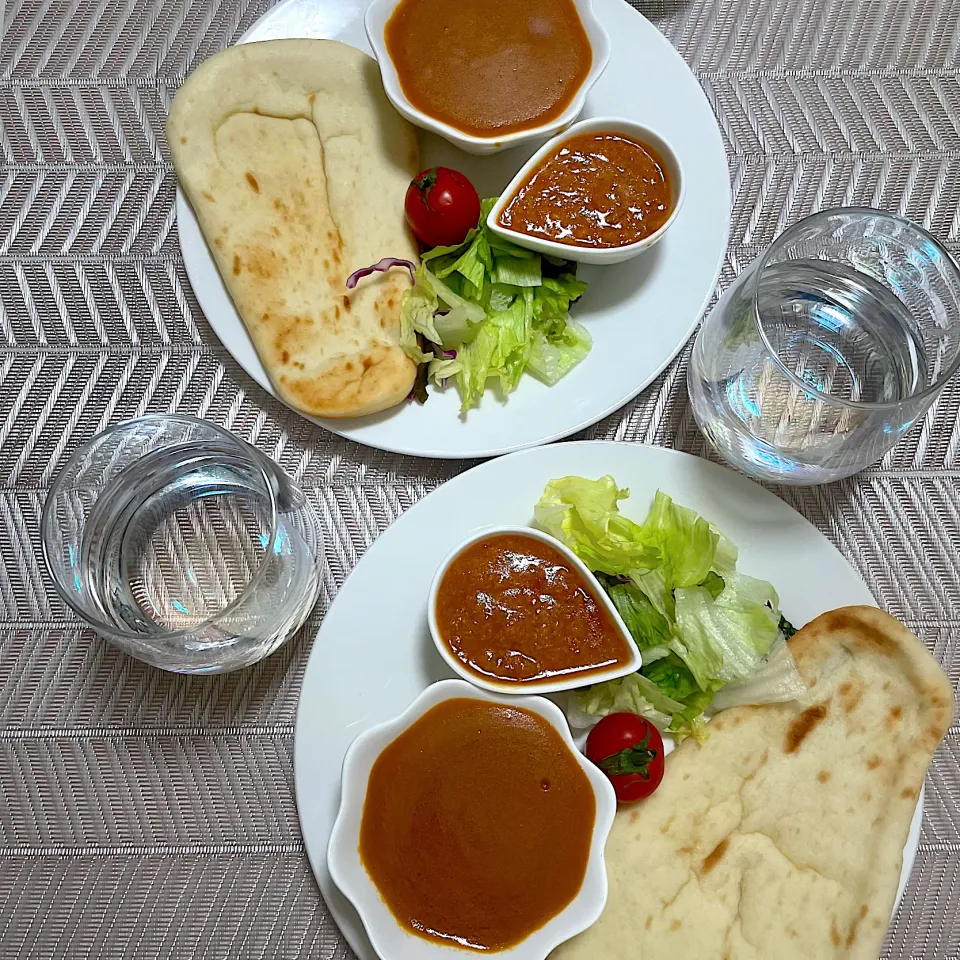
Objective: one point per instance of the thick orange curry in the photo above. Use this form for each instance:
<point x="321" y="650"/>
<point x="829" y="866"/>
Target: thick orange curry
<point x="477" y="824"/>
<point x="489" y="67"/>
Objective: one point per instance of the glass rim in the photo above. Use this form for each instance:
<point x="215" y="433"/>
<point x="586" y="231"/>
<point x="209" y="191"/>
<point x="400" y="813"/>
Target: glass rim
<point x="157" y="418"/>
<point x="762" y="263"/>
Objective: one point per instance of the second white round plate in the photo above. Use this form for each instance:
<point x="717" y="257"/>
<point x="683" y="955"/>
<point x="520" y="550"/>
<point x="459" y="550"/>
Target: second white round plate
<point x="373" y="654"/>
<point x="640" y="313"/>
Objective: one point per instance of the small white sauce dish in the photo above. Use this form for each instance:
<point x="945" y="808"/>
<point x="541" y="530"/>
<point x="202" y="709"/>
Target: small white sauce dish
<point x="375" y="21"/>
<point x="389" y="939"/>
<point x="571" y="251"/>
<point x="514" y="688"/>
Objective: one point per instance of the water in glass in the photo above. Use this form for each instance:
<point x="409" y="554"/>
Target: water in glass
<point x="196" y="554"/>
<point x="809" y="368"/>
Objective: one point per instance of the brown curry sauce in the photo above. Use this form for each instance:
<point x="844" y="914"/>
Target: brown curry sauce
<point x="477" y="824"/>
<point x="595" y="190"/>
<point x="489" y="67"/>
<point x="511" y="608"/>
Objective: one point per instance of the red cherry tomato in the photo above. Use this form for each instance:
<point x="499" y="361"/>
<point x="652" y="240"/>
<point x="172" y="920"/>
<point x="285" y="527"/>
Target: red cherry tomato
<point x="442" y="207"/>
<point x="629" y="750"/>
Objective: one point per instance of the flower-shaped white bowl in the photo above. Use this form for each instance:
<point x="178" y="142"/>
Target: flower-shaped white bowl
<point x="389" y="939"/>
<point x="571" y="251"/>
<point x="533" y="686"/>
<point x="375" y="22"/>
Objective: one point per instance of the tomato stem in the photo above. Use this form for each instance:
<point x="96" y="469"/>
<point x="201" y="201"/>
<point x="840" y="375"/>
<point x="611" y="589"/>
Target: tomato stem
<point x="635" y="759"/>
<point x="426" y="180"/>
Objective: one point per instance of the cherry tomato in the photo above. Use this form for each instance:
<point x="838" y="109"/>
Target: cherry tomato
<point x="629" y="750"/>
<point x="442" y="207"/>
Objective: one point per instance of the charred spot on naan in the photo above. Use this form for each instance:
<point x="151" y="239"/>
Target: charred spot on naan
<point x="851" y="693"/>
<point x="715" y="855"/>
<point x="803" y="726"/>
<point x="852" y="935"/>
<point x="263" y="262"/>
<point x="894" y="717"/>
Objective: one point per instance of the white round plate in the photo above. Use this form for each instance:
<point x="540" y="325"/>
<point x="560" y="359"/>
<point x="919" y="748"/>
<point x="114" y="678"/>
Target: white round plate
<point x="640" y="313"/>
<point x="373" y="654"/>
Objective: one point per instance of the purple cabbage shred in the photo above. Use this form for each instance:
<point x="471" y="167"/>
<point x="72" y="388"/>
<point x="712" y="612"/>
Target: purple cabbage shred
<point x="381" y="266"/>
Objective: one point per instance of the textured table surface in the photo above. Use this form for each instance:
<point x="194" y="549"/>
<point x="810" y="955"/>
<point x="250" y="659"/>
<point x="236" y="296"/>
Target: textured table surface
<point x="145" y="815"/>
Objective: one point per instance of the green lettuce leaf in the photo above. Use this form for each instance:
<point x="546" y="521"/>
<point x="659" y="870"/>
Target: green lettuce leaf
<point x="554" y="297"/>
<point x="449" y="298"/>
<point x="499" y="349"/>
<point x="706" y="633"/>
<point x="472" y="263"/>
<point x="686" y="542"/>
<point x="672" y="676"/>
<point x="500" y="296"/>
<point x="713" y="584"/>
<point x="583" y="514"/>
<point x="517" y="271"/>
<point x="434" y="252"/>
<point x="724" y="639"/>
<point x="648" y="627"/>
<point x="628" y="695"/>
<point x="689" y="722"/>
<point x="552" y="358"/>
<point x="417" y="315"/>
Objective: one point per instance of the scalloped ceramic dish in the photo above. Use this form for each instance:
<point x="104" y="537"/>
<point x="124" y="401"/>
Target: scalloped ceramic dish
<point x="375" y="22"/>
<point x="389" y="939"/>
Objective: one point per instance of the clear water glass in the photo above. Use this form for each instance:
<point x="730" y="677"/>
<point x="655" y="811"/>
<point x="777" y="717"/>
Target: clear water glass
<point x="828" y="347"/>
<point x="182" y="544"/>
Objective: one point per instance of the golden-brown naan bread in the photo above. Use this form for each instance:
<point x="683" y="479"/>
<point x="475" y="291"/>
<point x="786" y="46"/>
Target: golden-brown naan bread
<point x="782" y="837"/>
<point x="296" y="166"/>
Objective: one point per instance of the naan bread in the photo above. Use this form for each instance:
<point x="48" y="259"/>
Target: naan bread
<point x="297" y="166"/>
<point x="782" y="837"/>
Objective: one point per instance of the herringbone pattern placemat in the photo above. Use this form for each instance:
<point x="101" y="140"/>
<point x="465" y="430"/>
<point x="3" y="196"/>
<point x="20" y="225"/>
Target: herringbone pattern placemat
<point x="143" y="815"/>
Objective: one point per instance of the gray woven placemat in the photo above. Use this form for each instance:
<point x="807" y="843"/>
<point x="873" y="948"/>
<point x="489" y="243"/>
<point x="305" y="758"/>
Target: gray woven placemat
<point x="143" y="815"/>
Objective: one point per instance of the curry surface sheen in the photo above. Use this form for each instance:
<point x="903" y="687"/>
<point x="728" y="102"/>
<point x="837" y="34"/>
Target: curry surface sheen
<point x="489" y="67"/>
<point x="477" y="824"/>
<point x="511" y="608"/>
<point x="595" y="190"/>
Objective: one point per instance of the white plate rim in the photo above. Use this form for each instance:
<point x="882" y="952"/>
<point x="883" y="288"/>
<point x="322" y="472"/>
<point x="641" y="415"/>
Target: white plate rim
<point x="210" y="292"/>
<point x="304" y="741"/>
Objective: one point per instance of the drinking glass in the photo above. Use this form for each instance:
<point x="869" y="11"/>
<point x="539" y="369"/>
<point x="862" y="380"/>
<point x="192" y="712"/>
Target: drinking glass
<point x="828" y="347"/>
<point x="181" y="544"/>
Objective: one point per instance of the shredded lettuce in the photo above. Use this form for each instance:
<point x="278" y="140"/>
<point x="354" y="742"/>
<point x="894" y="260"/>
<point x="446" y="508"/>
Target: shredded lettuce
<point x="501" y="307"/>
<point x="517" y="271"/>
<point x="709" y="636"/>
<point x="585" y="707"/>
<point x="417" y="316"/>
<point x="551" y="360"/>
